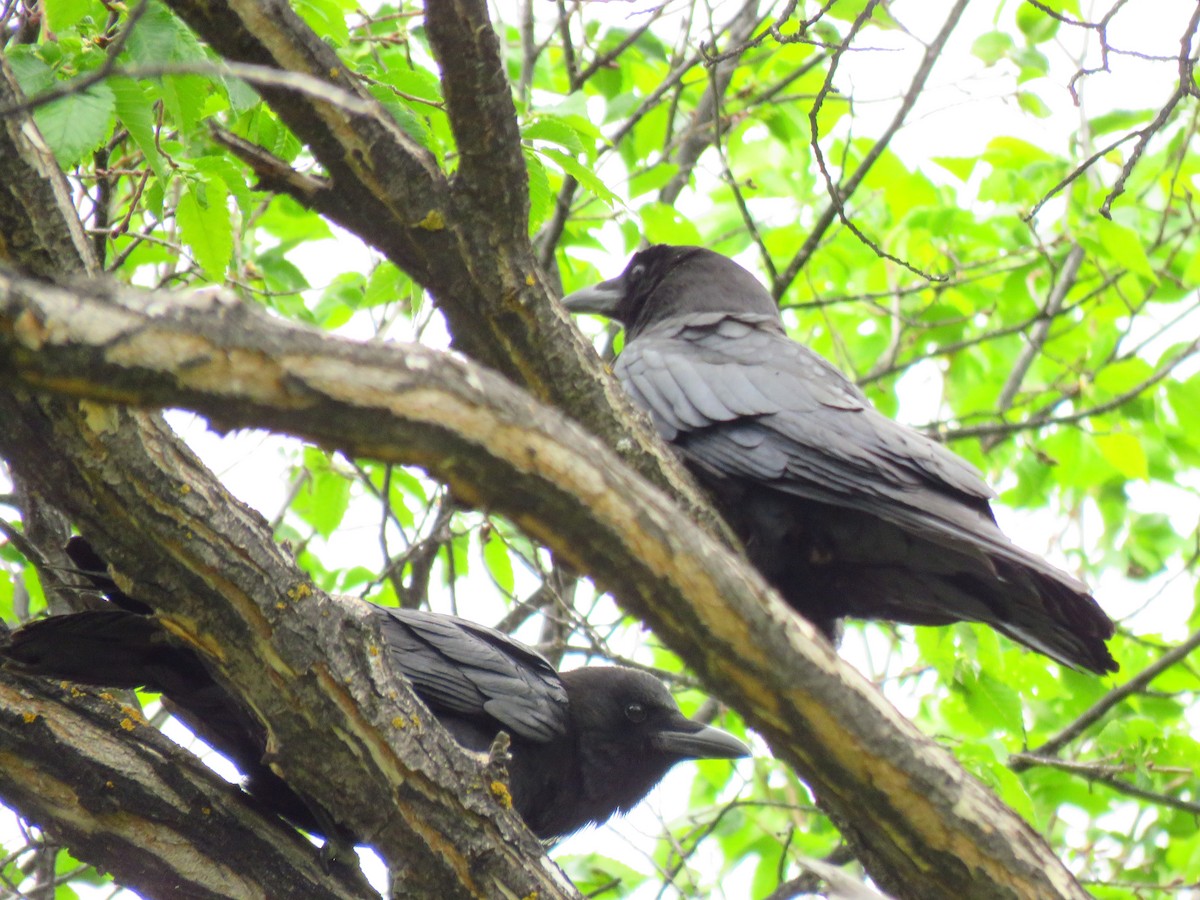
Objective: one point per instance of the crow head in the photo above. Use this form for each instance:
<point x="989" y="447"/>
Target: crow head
<point x="662" y="282"/>
<point x="629" y="731"/>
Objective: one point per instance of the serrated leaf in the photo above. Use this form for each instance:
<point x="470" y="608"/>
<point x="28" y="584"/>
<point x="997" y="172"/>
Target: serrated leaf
<point x="541" y="199"/>
<point x="77" y="123"/>
<point x="184" y="97"/>
<point x="556" y="131"/>
<point x="386" y="284"/>
<point x="581" y="173"/>
<point x="323" y="501"/>
<point x="206" y="227"/>
<point x="135" y="109"/>
<point x="161" y="37"/>
<point x="32" y="74"/>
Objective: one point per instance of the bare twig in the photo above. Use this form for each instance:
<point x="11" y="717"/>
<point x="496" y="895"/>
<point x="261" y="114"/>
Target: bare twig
<point x="840" y="193"/>
<point x="1094" y="713"/>
<point x="1038" y="333"/>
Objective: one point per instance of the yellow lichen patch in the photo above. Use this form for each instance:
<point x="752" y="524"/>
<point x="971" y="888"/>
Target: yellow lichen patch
<point x="135" y="714"/>
<point x="110" y="785"/>
<point x="281" y="605"/>
<point x="301" y="591"/>
<point x="500" y="791"/>
<point x="127" y="724"/>
<point x="416" y="720"/>
<point x="206" y="810"/>
<point x="530" y="280"/>
<point x="433" y="221"/>
<point x="399" y="724"/>
<point x="373" y="650"/>
<point x="104" y="695"/>
<point x="30" y="717"/>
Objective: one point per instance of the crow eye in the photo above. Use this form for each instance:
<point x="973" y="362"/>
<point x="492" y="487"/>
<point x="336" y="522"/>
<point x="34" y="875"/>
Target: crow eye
<point x="637" y="272"/>
<point x="635" y="713"/>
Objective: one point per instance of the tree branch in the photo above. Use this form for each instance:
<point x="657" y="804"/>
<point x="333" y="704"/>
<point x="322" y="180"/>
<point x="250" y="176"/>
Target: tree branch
<point x="924" y="827"/>
<point x="95" y="776"/>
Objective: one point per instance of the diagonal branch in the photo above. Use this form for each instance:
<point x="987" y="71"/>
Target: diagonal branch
<point x="93" y="774"/>
<point x="1100" y="708"/>
<point x="923" y="826"/>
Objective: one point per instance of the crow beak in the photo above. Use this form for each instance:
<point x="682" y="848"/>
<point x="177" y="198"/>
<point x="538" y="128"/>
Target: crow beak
<point x="701" y="742"/>
<point x="600" y="299"/>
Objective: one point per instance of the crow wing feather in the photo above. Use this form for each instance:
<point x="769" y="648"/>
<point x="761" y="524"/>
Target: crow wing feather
<point x="462" y="667"/>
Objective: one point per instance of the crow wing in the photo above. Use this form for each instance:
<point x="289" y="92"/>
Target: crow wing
<point x="744" y="403"/>
<point x="742" y="399"/>
<point x="476" y="672"/>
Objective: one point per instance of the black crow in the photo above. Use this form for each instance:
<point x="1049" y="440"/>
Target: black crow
<point x="585" y="744"/>
<point x="844" y="511"/>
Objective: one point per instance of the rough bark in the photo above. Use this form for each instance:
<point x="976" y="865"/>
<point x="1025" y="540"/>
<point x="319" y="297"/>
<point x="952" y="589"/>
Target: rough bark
<point x="928" y="828"/>
<point x="343" y="729"/>
<point x="463" y="238"/>
<point x="115" y="790"/>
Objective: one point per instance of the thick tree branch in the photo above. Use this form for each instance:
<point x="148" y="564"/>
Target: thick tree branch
<point x="96" y="777"/>
<point x="479" y="102"/>
<point x="390" y="194"/>
<point x="926" y="829"/>
<point x="341" y="729"/>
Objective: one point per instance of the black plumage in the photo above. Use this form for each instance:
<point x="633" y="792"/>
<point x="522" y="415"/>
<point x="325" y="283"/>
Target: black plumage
<point x="845" y="511"/>
<point x="586" y="744"/>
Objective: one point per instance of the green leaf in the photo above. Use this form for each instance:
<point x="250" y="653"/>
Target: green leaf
<point x="541" y="198"/>
<point x="386" y="284"/>
<point x="135" y="109"/>
<point x="992" y="702"/>
<point x="556" y="131"/>
<point x="499" y="565"/>
<point x="960" y="167"/>
<point x="77" y="123"/>
<point x="1033" y="104"/>
<point x="206" y="227"/>
<point x="1035" y="24"/>
<point x="1125" y="247"/>
<point x="1125" y="453"/>
<point x="581" y="173"/>
<point x="160" y="37"/>
<point x="185" y="97"/>
<point x="32" y="74"/>
<point x="62" y="14"/>
<point x="327" y="18"/>
<point x="992" y="46"/>
<point x="323" y="501"/>
<point x="665" y="225"/>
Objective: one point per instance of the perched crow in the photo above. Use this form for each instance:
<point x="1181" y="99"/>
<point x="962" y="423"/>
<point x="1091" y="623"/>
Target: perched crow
<point x="586" y="744"/>
<point x="845" y="512"/>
